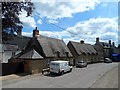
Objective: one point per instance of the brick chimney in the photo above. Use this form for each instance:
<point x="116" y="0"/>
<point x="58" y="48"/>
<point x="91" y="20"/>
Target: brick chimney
<point x="82" y="42"/>
<point x="110" y="42"/>
<point x="97" y="40"/>
<point x="35" y="32"/>
<point x="113" y="43"/>
<point x="19" y="32"/>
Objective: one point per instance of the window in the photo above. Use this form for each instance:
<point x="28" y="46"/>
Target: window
<point x="55" y="64"/>
<point x="58" y="54"/>
<point x="65" y="64"/>
<point x="67" y="54"/>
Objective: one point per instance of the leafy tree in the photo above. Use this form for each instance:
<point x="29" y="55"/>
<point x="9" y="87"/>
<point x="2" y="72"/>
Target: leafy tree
<point x="10" y="20"/>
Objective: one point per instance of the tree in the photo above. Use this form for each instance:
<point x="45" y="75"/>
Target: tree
<point x="10" y="20"/>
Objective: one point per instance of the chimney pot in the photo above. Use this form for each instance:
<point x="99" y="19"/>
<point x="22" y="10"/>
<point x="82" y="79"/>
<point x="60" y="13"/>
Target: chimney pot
<point x="82" y="42"/>
<point x="35" y="32"/>
<point x="97" y="40"/>
<point x="113" y="43"/>
<point x="110" y="42"/>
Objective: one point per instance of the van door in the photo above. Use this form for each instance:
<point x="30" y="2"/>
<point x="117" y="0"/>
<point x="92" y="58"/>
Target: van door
<point x="66" y="67"/>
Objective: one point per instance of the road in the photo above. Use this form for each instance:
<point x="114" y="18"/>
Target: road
<point x="78" y="78"/>
<point x="108" y="80"/>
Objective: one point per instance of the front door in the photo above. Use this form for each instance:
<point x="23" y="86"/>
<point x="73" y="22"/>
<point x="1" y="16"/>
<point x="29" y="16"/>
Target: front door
<point x="73" y="62"/>
<point x="27" y="67"/>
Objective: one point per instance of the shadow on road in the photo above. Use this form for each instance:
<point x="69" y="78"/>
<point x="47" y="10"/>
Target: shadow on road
<point x="52" y="75"/>
<point x="23" y="74"/>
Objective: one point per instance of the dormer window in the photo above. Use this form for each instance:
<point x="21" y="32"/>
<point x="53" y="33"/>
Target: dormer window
<point x="58" y="54"/>
<point x="84" y="53"/>
<point x="88" y="53"/>
<point x="67" y="54"/>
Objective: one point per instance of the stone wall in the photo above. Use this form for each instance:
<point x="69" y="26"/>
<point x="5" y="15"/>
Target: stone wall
<point x="38" y="65"/>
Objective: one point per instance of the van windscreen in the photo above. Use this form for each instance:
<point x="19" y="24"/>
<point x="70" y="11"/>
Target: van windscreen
<point x="55" y="64"/>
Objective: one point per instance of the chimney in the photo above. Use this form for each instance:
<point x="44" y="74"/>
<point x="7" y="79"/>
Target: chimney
<point x="97" y="40"/>
<point x="35" y="32"/>
<point x="82" y="42"/>
<point x="109" y="42"/>
<point x="113" y="44"/>
<point x="19" y="32"/>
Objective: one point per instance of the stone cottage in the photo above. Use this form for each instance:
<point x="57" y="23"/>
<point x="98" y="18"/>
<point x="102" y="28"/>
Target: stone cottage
<point x="10" y="48"/>
<point x="104" y="49"/>
<point x="40" y="50"/>
<point x="83" y="51"/>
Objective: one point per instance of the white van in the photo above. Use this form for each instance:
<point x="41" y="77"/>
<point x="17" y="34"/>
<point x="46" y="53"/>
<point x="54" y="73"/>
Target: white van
<point x="60" y="67"/>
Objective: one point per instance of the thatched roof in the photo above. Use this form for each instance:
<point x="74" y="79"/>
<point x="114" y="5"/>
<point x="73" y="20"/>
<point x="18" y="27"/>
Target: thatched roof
<point x="8" y="47"/>
<point x="86" y="49"/>
<point x="98" y="48"/>
<point x="44" y="47"/>
<point x="51" y="46"/>
<point x="20" y="41"/>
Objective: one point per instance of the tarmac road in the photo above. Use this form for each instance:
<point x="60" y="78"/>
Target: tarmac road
<point x="78" y="78"/>
<point x="108" y="80"/>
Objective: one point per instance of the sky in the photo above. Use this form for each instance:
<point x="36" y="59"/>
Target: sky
<point x="74" y="20"/>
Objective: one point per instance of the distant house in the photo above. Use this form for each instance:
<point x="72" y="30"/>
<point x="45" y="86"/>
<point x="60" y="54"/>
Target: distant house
<point x="19" y="40"/>
<point x="40" y="50"/>
<point x="105" y="50"/>
<point x="15" y="45"/>
<point x="10" y="48"/>
<point x="82" y="51"/>
<point x="7" y="51"/>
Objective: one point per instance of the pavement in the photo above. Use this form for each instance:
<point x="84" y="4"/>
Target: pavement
<point x="12" y="78"/>
<point x="9" y="77"/>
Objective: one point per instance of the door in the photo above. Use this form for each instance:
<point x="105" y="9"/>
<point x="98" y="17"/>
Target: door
<point x="73" y="62"/>
<point x="27" y="67"/>
<point x="66" y="67"/>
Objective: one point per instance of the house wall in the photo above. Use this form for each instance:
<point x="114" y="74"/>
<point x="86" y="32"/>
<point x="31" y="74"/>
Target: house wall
<point x="81" y="57"/>
<point x="95" y="58"/>
<point x="34" y="66"/>
<point x="87" y="58"/>
<point x="12" y="68"/>
<point x="106" y="53"/>
<point x="38" y="66"/>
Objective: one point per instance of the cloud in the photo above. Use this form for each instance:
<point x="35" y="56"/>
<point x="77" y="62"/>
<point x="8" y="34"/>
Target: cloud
<point x="39" y="21"/>
<point x="55" y="9"/>
<point x="104" y="5"/>
<point x="27" y="21"/>
<point x="52" y="21"/>
<point x="29" y="34"/>
<point x="105" y="28"/>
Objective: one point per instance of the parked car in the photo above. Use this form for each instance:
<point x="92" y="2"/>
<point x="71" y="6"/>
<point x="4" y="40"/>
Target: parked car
<point x="81" y="64"/>
<point x="60" y="67"/>
<point x="116" y="57"/>
<point x="107" y="60"/>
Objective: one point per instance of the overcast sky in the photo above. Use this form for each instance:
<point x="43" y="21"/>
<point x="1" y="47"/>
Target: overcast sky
<point x="74" y="20"/>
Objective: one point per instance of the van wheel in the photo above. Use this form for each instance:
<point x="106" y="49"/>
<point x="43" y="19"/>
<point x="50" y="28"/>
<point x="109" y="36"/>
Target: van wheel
<point x="62" y="72"/>
<point x="71" y="70"/>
